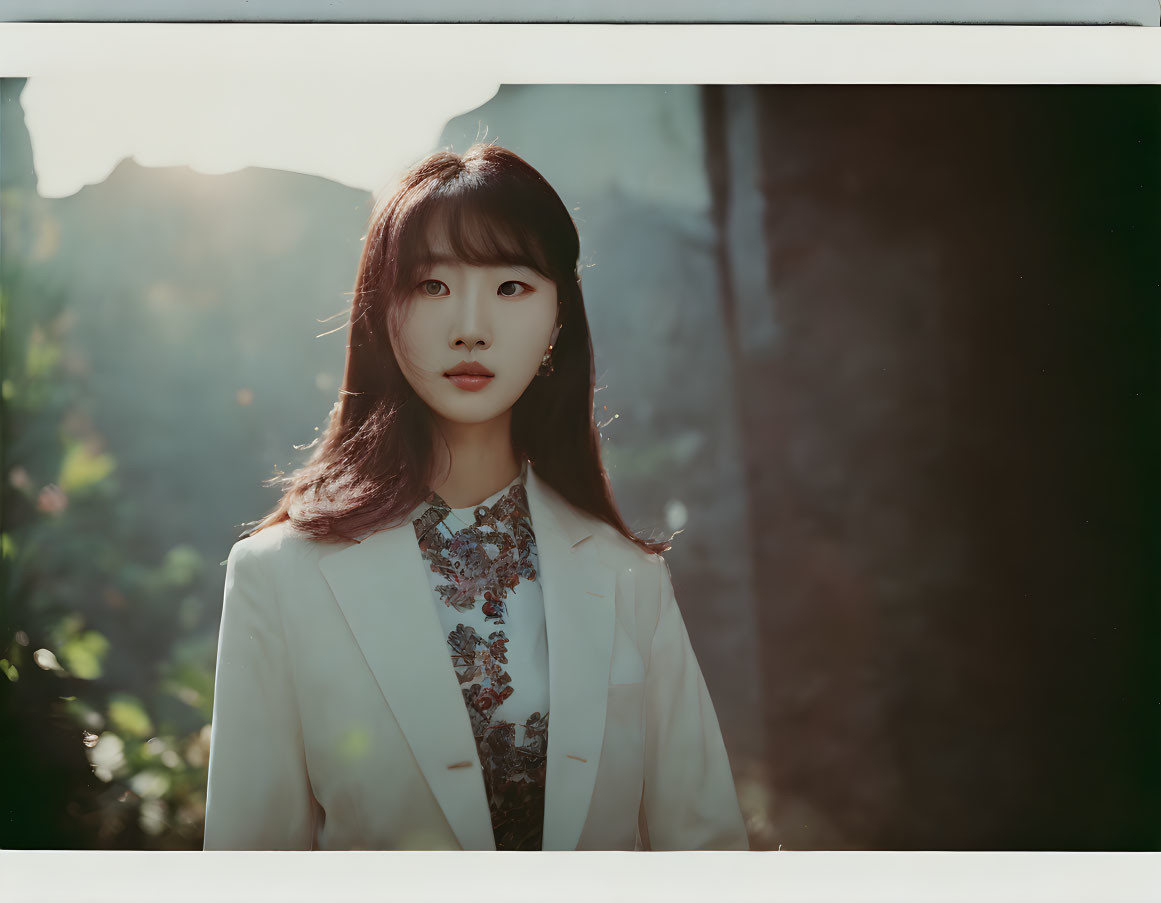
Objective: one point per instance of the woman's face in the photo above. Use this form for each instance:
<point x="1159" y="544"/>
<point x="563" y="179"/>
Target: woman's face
<point x="501" y="317"/>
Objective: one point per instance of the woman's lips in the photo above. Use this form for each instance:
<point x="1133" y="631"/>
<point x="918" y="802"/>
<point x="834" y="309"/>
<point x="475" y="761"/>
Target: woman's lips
<point x="470" y="383"/>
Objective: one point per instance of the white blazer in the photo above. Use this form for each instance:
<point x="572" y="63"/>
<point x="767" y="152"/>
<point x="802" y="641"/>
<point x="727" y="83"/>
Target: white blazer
<point x="338" y="721"/>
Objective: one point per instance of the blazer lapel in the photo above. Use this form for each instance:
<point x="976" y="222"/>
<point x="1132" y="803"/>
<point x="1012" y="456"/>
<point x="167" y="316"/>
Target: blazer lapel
<point x="386" y="598"/>
<point x="385" y="594"/>
<point x="580" y="617"/>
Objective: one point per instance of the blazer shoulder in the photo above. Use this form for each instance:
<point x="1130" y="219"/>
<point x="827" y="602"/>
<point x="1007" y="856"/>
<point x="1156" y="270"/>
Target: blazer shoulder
<point x="647" y="572"/>
<point x="618" y="550"/>
<point x="277" y="546"/>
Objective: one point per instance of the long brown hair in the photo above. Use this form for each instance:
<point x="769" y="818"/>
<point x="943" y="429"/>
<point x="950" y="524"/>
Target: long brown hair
<point x="371" y="465"/>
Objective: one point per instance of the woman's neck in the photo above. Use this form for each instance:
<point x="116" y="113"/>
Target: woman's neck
<point x="477" y="461"/>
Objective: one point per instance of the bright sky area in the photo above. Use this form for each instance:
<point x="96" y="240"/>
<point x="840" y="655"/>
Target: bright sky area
<point x="359" y="134"/>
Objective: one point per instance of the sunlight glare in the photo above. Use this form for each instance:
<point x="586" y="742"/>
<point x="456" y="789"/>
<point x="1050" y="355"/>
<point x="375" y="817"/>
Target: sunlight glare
<point x="340" y="125"/>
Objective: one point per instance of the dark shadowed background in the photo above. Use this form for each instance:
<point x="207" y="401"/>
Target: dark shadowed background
<point x="886" y="355"/>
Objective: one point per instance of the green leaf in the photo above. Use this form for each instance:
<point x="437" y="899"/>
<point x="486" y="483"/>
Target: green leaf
<point x="181" y="565"/>
<point x="83" y="655"/>
<point x="82" y="468"/>
<point x="128" y="715"/>
<point x="43" y="355"/>
<point x="65" y="629"/>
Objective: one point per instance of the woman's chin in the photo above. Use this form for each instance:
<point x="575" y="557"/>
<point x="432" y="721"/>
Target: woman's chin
<point x="471" y="410"/>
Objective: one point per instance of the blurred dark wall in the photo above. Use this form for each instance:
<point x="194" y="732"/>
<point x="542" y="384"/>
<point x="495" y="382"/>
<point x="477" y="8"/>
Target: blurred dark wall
<point x="951" y="441"/>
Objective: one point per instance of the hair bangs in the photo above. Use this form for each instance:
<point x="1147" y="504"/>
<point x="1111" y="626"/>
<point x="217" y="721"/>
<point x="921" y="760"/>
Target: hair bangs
<point x="475" y="226"/>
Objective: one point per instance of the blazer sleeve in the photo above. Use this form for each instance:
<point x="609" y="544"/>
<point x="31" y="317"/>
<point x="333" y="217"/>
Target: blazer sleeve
<point x="689" y="801"/>
<point x="258" y="795"/>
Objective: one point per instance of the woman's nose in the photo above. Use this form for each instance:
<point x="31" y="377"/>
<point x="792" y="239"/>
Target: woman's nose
<point x="471" y="328"/>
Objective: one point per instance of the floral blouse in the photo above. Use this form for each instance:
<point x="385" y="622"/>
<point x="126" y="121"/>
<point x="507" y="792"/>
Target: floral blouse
<point x="484" y="573"/>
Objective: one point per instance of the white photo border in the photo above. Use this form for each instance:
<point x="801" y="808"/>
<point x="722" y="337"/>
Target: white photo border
<point x="595" y="54"/>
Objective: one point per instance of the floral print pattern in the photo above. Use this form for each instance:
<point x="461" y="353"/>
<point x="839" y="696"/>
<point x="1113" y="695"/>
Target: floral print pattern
<point x="469" y="572"/>
<point x="484" y="572"/>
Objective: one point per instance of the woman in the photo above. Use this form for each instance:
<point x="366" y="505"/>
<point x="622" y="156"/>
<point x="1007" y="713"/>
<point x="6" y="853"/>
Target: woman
<point x="445" y="636"/>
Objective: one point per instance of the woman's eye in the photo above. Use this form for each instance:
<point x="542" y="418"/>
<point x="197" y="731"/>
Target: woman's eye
<point x="511" y="289"/>
<point x="431" y="287"/>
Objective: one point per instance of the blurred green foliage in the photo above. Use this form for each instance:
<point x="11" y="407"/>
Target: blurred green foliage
<point x="106" y="666"/>
<point x="102" y="664"/>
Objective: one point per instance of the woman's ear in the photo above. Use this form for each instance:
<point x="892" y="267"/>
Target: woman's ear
<point x="555" y="331"/>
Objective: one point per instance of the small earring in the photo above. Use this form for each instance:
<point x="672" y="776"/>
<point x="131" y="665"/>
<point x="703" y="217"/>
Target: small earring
<point x="545" y="363"/>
